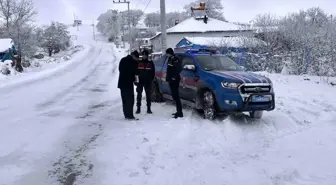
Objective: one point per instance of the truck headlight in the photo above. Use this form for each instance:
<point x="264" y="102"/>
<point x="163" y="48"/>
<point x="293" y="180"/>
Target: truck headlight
<point x="230" y="85"/>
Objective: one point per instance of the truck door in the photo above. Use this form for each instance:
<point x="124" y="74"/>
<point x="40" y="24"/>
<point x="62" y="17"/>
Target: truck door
<point x="164" y="86"/>
<point x="189" y="80"/>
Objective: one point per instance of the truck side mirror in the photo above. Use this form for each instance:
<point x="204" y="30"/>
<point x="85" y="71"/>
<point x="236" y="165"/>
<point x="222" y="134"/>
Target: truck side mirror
<point x="190" y="68"/>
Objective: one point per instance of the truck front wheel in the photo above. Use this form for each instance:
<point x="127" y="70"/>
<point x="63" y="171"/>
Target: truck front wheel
<point x="209" y="106"/>
<point x="256" y="114"/>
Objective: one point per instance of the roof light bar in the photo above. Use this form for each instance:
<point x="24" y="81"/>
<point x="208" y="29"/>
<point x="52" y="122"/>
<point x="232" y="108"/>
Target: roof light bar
<point x="192" y="50"/>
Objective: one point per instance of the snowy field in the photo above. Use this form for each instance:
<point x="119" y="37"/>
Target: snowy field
<point x="66" y="127"/>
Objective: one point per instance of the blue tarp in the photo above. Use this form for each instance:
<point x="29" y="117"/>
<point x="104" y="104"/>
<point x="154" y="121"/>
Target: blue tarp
<point x="9" y="54"/>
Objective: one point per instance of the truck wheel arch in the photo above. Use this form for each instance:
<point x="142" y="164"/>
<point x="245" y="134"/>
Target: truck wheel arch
<point x="199" y="98"/>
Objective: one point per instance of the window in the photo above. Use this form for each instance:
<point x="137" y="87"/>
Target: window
<point x="187" y="61"/>
<point x="216" y="62"/>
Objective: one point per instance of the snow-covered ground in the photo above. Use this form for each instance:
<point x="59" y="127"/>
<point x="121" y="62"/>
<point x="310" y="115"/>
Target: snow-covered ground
<point x="44" y="66"/>
<point x="67" y="127"/>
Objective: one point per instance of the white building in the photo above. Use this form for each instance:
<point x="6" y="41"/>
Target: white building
<point x="196" y="27"/>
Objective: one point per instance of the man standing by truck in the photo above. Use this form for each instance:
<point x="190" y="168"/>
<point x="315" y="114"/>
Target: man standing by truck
<point x="127" y="77"/>
<point x="173" y="77"/>
<point x="146" y="72"/>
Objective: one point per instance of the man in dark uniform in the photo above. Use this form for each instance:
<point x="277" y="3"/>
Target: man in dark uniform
<point x="127" y="73"/>
<point x="173" y="77"/>
<point x="146" y="72"/>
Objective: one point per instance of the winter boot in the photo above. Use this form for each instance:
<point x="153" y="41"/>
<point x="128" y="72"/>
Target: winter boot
<point x="138" y="110"/>
<point x="178" y="115"/>
<point x="149" y="111"/>
<point x="132" y="119"/>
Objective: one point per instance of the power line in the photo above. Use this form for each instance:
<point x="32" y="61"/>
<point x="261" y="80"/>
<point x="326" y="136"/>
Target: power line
<point x="147" y="5"/>
<point x="139" y="2"/>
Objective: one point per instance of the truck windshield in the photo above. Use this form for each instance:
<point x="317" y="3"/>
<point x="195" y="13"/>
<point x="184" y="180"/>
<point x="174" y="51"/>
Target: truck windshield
<point x="222" y="63"/>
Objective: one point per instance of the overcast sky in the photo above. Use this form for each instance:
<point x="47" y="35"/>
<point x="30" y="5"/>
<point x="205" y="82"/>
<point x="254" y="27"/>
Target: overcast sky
<point x="235" y="10"/>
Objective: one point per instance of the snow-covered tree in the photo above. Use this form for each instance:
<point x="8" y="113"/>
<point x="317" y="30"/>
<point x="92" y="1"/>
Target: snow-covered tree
<point x="56" y="37"/>
<point x="152" y="19"/>
<point x="112" y="23"/>
<point x="304" y="40"/>
<point x="134" y="16"/>
<point x="18" y="16"/>
<point x="108" y="23"/>
<point x="173" y="16"/>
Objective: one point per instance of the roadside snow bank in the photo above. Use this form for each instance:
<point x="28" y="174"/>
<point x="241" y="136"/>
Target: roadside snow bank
<point x="306" y="79"/>
<point x="46" y="67"/>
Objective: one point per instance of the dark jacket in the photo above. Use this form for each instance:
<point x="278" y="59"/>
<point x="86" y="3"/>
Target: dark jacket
<point x="127" y="72"/>
<point x="146" y="71"/>
<point x="174" y="68"/>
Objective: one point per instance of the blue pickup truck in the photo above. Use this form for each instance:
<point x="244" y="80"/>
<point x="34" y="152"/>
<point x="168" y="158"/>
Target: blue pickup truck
<point x="215" y="84"/>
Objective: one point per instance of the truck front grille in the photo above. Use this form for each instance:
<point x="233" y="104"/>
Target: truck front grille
<point x="251" y="88"/>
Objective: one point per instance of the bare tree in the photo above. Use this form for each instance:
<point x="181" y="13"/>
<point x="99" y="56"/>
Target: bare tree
<point x="18" y="14"/>
<point x="7" y="11"/>
<point x="24" y="12"/>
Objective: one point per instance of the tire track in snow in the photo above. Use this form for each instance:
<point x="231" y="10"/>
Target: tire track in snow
<point x="74" y="166"/>
<point x="74" y="87"/>
<point x="86" y="82"/>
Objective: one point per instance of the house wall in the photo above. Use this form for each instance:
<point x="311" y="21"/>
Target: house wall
<point x="174" y="38"/>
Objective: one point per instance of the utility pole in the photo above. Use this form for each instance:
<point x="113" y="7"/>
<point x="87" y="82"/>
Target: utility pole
<point x="93" y="29"/>
<point x="76" y="21"/>
<point x="129" y="21"/>
<point x="163" y="26"/>
<point x="123" y="34"/>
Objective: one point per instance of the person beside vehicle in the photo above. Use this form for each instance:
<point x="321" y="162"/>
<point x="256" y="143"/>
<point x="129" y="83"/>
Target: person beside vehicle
<point x="173" y="77"/>
<point x="146" y="72"/>
<point x="127" y="77"/>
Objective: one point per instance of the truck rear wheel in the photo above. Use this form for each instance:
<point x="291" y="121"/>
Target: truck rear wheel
<point x="256" y="114"/>
<point x="156" y="94"/>
<point x="209" y="106"/>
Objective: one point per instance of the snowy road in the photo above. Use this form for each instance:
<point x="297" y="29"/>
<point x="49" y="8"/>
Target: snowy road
<point x="49" y="122"/>
<point x="67" y="128"/>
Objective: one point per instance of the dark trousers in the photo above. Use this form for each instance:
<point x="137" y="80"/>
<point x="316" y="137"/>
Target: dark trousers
<point x="148" y="91"/>
<point x="127" y="97"/>
<point x="174" y="88"/>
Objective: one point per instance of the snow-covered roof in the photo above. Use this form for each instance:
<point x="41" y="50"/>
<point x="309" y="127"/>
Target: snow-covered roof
<point x="157" y="34"/>
<point x="226" y="41"/>
<point x="140" y="39"/>
<point x="5" y="44"/>
<point x="213" y="25"/>
<point x="193" y="25"/>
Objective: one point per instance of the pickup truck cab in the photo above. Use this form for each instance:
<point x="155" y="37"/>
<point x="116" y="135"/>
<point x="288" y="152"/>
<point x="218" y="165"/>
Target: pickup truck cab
<point x="215" y="84"/>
